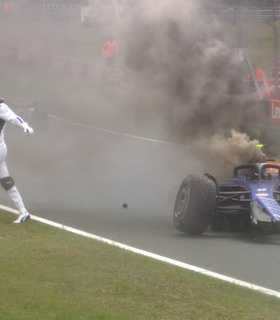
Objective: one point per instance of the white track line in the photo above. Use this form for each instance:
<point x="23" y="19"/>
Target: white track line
<point x="152" y="255"/>
<point x="115" y="132"/>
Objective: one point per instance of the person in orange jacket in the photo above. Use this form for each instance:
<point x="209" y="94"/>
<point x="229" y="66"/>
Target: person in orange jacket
<point x="9" y="7"/>
<point x="260" y="76"/>
<point x="110" y="50"/>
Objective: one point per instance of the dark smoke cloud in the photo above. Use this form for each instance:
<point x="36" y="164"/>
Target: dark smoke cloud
<point x="221" y="153"/>
<point x="185" y="58"/>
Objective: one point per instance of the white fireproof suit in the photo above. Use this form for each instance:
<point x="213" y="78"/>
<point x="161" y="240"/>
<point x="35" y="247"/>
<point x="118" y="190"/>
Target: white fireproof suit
<point x="7" y="115"/>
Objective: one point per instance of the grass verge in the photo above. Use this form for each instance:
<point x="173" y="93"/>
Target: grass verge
<point x="48" y="273"/>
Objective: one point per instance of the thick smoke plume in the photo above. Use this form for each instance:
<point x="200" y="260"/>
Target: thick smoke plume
<point x="184" y="57"/>
<point x="221" y="153"/>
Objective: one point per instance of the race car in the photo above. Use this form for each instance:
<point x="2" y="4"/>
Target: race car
<point x="250" y="200"/>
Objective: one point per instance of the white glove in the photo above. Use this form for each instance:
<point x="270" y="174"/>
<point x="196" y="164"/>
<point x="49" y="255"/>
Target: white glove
<point x="27" y="129"/>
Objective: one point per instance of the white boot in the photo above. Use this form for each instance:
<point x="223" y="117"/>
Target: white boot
<point x="23" y="216"/>
<point x="18" y="203"/>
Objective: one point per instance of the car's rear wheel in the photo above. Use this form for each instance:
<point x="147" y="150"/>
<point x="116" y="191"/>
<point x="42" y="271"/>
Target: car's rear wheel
<point x="195" y="204"/>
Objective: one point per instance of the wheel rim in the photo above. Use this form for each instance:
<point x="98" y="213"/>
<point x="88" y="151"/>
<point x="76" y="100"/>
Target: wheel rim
<point x="182" y="202"/>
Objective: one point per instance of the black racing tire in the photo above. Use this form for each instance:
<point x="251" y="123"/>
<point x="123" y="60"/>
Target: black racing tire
<point x="195" y="204"/>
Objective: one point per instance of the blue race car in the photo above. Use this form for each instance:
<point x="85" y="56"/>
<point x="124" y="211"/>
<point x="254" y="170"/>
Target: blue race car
<point x="250" y="200"/>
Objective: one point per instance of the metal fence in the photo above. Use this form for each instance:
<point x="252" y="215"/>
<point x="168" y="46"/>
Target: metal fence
<point x="251" y="3"/>
<point x="247" y="14"/>
<point x="59" y="13"/>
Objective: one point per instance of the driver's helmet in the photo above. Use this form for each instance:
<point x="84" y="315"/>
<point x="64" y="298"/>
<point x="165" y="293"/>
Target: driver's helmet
<point x="253" y="175"/>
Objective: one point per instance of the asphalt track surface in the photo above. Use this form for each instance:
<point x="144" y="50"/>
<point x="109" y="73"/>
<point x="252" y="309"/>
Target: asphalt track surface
<point x="80" y="176"/>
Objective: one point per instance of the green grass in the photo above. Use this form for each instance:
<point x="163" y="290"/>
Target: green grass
<point x="48" y="273"/>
